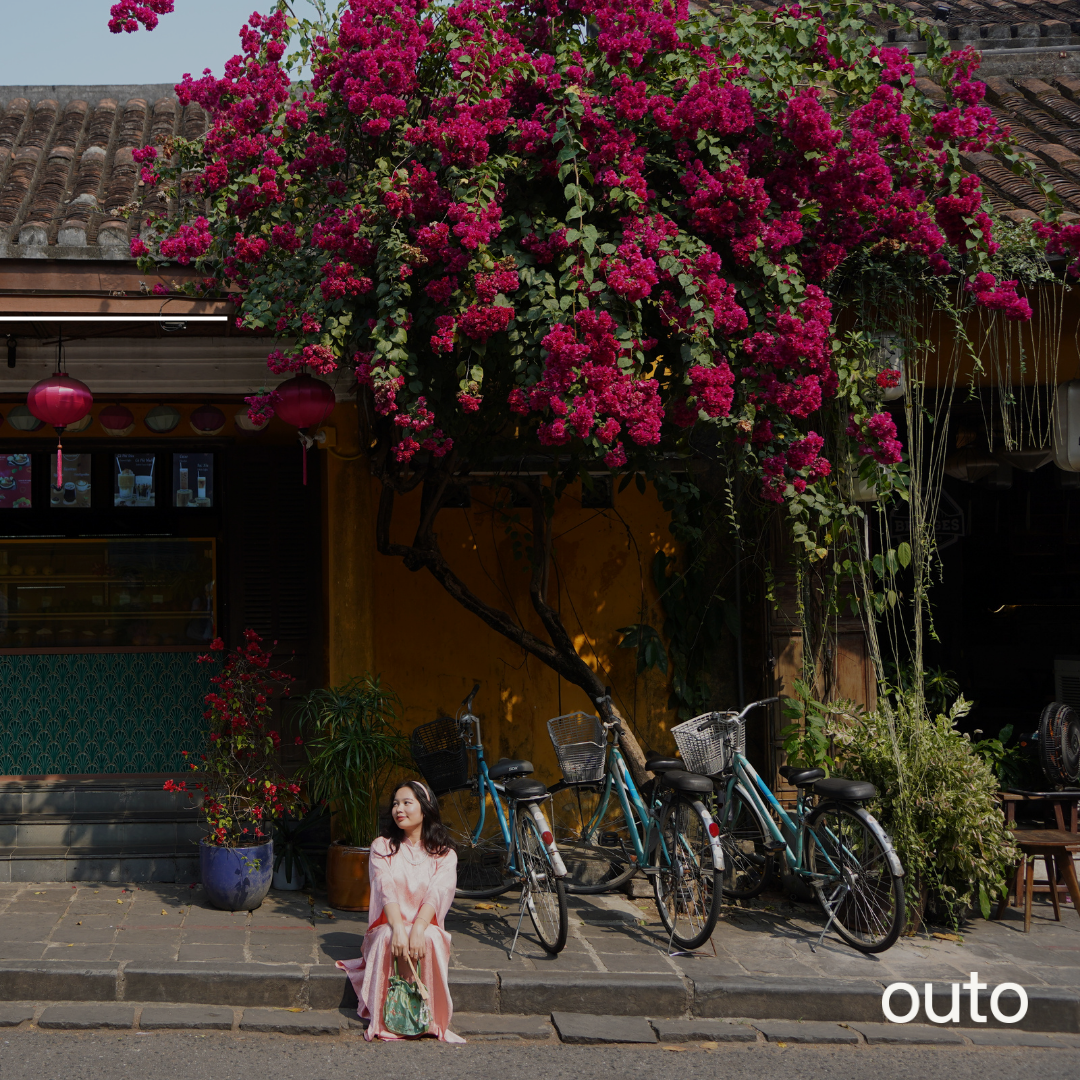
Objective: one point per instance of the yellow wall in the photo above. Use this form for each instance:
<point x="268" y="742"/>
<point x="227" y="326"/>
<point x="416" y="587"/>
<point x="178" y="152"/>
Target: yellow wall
<point x="429" y="649"/>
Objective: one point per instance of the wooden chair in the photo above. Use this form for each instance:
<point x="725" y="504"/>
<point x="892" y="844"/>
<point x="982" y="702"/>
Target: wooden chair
<point x="1056" y="847"/>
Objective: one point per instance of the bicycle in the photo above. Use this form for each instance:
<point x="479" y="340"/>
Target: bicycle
<point x="511" y="845"/>
<point x="832" y="842"/>
<point x="672" y="838"/>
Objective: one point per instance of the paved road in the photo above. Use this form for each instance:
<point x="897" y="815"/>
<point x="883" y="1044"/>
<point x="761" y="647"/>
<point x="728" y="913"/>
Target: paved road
<point x="37" y="1055"/>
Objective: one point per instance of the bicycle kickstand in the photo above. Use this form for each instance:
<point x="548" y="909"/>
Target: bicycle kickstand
<point x="832" y="916"/>
<point x="526" y="890"/>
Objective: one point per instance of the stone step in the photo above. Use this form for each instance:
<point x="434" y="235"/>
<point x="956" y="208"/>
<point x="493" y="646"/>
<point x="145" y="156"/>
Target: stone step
<point x="105" y="794"/>
<point x="99" y="831"/>
<point x="167" y="862"/>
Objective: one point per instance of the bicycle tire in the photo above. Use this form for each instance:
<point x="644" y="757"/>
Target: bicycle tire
<point x="482" y="868"/>
<point x="847" y="844"/>
<point x="748" y="866"/>
<point x="597" y="860"/>
<point x="687" y="889"/>
<point x="547" y="896"/>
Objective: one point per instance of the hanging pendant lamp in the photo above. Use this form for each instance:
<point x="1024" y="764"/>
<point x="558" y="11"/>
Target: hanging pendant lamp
<point x="304" y="402"/>
<point x="59" y="400"/>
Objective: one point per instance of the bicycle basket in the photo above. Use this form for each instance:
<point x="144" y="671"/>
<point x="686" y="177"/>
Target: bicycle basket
<point x="441" y="755"/>
<point x="580" y="746"/>
<point x="708" y="742"/>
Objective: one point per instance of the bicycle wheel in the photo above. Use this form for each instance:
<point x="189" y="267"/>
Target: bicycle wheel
<point x="748" y="864"/>
<point x="858" y="888"/>
<point x="599" y="855"/>
<point x="686" y="887"/>
<point x="546" y="892"/>
<point x="482" y="869"/>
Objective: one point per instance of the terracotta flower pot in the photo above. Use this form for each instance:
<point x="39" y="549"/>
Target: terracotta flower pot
<point x="347" y="884"/>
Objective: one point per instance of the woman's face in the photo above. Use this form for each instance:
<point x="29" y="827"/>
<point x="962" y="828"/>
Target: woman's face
<point x="406" y="809"/>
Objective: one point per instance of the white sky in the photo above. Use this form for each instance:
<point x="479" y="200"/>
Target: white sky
<point x="67" y="42"/>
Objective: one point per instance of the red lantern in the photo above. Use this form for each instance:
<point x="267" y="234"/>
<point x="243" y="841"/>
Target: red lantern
<point x="59" y="400"/>
<point x="117" y="420"/>
<point x="304" y="402"/>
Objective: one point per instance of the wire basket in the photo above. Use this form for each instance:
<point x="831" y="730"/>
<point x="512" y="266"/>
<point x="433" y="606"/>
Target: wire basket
<point x="441" y="755"/>
<point x="709" y="742"/>
<point x="580" y="745"/>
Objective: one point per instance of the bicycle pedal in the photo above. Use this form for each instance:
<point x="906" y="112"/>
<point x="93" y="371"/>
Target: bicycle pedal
<point x="773" y="846"/>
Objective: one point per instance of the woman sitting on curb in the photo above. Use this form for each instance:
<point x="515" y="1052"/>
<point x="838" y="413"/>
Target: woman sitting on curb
<point x="413" y="870"/>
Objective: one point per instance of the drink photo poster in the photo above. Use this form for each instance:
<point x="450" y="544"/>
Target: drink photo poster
<point x="134" y="479"/>
<point x="74" y="490"/>
<point x="193" y="480"/>
<point x="15" y="489"/>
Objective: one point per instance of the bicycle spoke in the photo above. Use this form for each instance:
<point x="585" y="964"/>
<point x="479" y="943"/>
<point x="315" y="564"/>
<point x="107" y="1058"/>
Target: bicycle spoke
<point x="856" y="887"/>
<point x="542" y="893"/>
<point x="748" y="866"/>
<point x="686" y="886"/>
<point x="594" y="839"/>
<point x="481" y="850"/>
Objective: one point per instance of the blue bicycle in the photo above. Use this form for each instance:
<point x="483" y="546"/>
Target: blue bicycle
<point x="831" y="842"/>
<point x="607" y="829"/>
<point x="495" y="816"/>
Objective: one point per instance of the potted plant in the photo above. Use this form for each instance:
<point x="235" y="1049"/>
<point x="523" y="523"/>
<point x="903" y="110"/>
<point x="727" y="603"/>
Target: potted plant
<point x="293" y="846"/>
<point x="352" y="746"/>
<point x="244" y="789"/>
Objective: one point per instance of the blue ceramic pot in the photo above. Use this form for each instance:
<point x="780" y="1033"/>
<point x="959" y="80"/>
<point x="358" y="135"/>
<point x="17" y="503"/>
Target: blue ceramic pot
<point x="236" y="879"/>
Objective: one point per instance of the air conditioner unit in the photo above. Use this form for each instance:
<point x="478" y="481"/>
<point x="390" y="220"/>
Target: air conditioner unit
<point x="1067" y="680"/>
<point x="1067" y="427"/>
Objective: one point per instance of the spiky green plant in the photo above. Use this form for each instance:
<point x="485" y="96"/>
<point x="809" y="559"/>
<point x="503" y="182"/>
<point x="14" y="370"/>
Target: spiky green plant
<point x="353" y="747"/>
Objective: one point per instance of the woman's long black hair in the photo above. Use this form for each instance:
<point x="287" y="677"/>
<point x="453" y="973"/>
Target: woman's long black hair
<point x="434" y="834"/>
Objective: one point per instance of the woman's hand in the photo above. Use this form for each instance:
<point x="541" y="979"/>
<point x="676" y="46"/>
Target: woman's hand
<point x="400" y="944"/>
<point x="418" y="940"/>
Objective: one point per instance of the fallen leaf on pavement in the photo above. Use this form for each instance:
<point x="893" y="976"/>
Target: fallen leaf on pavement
<point x="483" y="907"/>
<point x="78" y="924"/>
<point x="164" y="912"/>
<point x="947" y="937"/>
<point x="782" y="1045"/>
<point x="294" y="1010"/>
<point x="119" y="901"/>
<point x="710" y="1046"/>
<point x="675" y="1049"/>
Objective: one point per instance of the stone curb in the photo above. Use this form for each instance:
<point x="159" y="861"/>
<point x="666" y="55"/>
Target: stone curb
<point x="600" y="993"/>
<point x="574" y="1028"/>
<point x="522" y="993"/>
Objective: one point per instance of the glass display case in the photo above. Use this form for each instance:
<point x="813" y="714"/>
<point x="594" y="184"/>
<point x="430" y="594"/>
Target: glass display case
<point x="107" y="594"/>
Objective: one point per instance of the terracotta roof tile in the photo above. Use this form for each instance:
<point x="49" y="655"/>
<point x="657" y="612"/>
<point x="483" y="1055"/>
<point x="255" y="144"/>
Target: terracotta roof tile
<point x="66" y="166"/>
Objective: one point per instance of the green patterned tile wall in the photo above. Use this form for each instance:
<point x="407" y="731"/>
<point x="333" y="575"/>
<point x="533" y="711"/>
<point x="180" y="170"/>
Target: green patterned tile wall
<point x="99" y="712"/>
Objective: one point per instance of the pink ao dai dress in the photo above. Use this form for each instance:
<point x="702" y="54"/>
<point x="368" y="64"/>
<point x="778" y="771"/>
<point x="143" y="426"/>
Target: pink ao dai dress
<point x="409" y="878"/>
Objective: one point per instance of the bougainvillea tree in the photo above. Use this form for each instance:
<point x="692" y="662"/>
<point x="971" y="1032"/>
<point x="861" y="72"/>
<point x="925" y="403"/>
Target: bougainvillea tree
<point x="598" y="232"/>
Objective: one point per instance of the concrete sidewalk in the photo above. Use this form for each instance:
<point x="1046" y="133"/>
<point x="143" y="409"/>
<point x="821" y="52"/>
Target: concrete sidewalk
<point x="164" y="943"/>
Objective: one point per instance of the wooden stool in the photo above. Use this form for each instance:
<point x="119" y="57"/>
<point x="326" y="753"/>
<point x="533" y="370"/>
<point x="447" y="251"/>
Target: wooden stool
<point x="1055" y="846"/>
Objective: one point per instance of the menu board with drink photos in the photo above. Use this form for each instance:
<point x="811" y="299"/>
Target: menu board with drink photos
<point x="15" y="482"/>
<point x="74" y="489"/>
<point x="134" y="479"/>
<point x="193" y="480"/>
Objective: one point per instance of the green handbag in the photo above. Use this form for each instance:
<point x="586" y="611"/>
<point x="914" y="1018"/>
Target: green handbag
<point x="406" y="1011"/>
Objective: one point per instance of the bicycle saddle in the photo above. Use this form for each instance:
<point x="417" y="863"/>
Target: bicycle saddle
<point x="662" y="763"/>
<point x="836" y="787"/>
<point x="524" y="789"/>
<point x="800" y="777"/>
<point x="511" y="767"/>
<point x="685" y="781"/>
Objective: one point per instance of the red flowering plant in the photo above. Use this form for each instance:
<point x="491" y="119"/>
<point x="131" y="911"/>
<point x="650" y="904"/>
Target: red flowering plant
<point x="244" y="789"/>
<point x="605" y="246"/>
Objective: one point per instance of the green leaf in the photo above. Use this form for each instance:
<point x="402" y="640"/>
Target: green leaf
<point x="903" y="554"/>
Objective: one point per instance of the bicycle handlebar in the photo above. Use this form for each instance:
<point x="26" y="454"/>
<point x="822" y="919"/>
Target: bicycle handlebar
<point x="604" y="705"/>
<point x="466" y="705"/>
<point x="756" y="704"/>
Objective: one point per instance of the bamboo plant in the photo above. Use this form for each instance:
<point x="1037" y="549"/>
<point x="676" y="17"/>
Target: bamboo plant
<point x="353" y="747"/>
